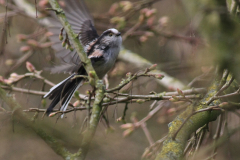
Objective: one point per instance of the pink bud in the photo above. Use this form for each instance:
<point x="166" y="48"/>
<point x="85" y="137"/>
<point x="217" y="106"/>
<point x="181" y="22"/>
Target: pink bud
<point x="43" y="3"/>
<point x="127" y="132"/>
<point x="150" y="21"/>
<point x="113" y="8"/>
<point x="52" y="114"/>
<point x="129" y="74"/>
<point x="180" y="92"/>
<point x="126" y="126"/>
<point x="30" y="67"/>
<point x="171" y="111"/>
<point x="143" y="38"/>
<point x="150" y="12"/>
<point x="163" y="21"/>
<point x="144" y="10"/>
<point x="119" y="119"/>
<point x="159" y="76"/>
<point x="32" y="42"/>
<point x="153" y="67"/>
<point x="14" y="75"/>
<point x="76" y="103"/>
<point x="48" y="34"/>
<point x="8" y="81"/>
<point x="62" y="3"/>
<point x="25" y="49"/>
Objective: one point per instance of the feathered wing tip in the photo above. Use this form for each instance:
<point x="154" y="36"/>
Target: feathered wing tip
<point x="88" y="33"/>
<point x="81" y="21"/>
<point x="63" y="68"/>
<point x="63" y="93"/>
<point x="77" y="12"/>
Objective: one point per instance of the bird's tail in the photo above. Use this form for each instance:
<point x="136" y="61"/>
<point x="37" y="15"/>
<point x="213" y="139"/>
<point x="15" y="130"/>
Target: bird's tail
<point x="63" y="92"/>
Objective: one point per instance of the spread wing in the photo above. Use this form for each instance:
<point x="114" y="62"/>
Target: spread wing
<point x="82" y="23"/>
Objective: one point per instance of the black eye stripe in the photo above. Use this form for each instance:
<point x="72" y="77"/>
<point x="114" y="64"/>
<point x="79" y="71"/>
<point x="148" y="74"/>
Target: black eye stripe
<point x="105" y="33"/>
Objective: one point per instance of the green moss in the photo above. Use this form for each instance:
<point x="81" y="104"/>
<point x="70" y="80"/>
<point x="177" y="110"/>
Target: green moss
<point x="173" y="148"/>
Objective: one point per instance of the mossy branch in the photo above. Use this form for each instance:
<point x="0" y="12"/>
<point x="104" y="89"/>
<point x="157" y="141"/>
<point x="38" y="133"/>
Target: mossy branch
<point x="96" y="112"/>
<point x="222" y="46"/>
<point x="174" y="145"/>
<point x="97" y="105"/>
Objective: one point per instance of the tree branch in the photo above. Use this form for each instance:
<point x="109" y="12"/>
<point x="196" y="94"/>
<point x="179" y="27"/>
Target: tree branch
<point x="188" y="122"/>
<point x="97" y="107"/>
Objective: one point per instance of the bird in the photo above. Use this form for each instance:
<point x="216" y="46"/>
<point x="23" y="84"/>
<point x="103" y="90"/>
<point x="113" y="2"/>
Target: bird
<point x="102" y="50"/>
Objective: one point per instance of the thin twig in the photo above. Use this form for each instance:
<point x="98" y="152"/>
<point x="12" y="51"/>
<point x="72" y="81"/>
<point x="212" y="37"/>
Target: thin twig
<point x="41" y="93"/>
<point x="224" y="87"/>
<point x="131" y="78"/>
<point x="145" y="130"/>
<point x="229" y="95"/>
<point x="55" y="110"/>
<point x="217" y="134"/>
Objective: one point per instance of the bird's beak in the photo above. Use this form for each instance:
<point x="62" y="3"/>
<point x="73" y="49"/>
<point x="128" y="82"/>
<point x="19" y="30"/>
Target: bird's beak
<point x="118" y="34"/>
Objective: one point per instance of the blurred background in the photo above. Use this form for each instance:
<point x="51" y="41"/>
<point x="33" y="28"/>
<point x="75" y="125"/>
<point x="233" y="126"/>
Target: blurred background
<point x="182" y="57"/>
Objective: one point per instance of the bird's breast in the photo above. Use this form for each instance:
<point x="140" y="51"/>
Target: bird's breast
<point x="104" y="64"/>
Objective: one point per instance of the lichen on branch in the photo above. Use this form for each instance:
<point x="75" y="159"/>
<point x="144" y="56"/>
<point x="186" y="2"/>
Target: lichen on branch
<point x="174" y="145"/>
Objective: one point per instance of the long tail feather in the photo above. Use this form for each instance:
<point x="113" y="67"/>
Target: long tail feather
<point x="63" y="93"/>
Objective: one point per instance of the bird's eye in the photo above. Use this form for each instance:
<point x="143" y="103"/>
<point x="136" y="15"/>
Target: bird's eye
<point x="110" y="34"/>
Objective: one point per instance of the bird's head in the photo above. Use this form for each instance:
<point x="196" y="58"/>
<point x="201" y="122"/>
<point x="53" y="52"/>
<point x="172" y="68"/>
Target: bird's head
<point x="111" y="37"/>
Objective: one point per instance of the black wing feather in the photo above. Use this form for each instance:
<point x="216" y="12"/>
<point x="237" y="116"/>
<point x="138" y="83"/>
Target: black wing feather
<point x="81" y="21"/>
<point x="88" y="33"/>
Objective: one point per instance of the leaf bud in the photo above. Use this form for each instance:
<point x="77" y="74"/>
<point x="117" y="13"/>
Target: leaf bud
<point x="30" y="67"/>
<point x="153" y="67"/>
<point x="159" y="76"/>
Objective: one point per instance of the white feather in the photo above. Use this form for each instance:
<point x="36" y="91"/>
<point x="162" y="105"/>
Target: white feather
<point x="54" y="87"/>
<point x="65" y="105"/>
<point x="115" y="31"/>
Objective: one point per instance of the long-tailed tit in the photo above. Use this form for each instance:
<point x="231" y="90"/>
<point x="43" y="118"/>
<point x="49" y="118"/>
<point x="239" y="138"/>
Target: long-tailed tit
<point x="103" y="51"/>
